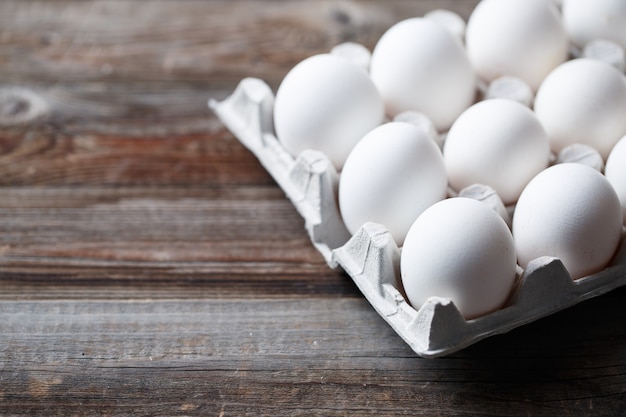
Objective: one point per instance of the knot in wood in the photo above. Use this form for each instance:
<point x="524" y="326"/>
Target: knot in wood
<point x="20" y="105"/>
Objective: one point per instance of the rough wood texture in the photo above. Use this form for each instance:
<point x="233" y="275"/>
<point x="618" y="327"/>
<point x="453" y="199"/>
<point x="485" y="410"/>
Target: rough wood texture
<point x="150" y="267"/>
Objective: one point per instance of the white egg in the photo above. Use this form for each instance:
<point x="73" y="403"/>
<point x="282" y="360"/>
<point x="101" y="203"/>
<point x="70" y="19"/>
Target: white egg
<point x="520" y="38"/>
<point x="460" y="249"/>
<point x="419" y="65"/>
<point x="569" y="211"/>
<point x="615" y="172"/>
<point x="499" y="143"/>
<point x="583" y="101"/>
<point x="393" y="174"/>
<point x="326" y="103"/>
<point x="587" y="20"/>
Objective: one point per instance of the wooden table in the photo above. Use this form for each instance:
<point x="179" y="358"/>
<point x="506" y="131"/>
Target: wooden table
<point x="150" y="267"/>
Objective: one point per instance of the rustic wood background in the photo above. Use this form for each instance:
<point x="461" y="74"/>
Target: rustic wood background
<point x="150" y="267"/>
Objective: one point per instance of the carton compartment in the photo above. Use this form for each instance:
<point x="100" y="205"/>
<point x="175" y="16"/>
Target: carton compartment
<point x="371" y="257"/>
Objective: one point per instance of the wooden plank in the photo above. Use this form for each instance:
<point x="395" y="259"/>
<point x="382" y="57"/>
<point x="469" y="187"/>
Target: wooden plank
<point x="50" y="156"/>
<point x="295" y="357"/>
<point x="221" y="41"/>
<point x="243" y="241"/>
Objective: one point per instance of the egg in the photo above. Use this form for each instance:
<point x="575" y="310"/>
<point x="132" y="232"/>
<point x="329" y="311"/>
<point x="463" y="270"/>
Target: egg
<point x="393" y="174"/>
<point x="615" y="171"/>
<point x="499" y="143"/>
<point x="587" y="20"/>
<point x="521" y="38"/>
<point x="420" y="65"/>
<point x="459" y="249"/>
<point x="569" y="211"/>
<point x="583" y="101"/>
<point x="326" y="103"/>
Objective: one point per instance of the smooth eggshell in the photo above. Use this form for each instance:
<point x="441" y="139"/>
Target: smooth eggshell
<point x="569" y="211"/>
<point x="393" y="174"/>
<point x="419" y="65"/>
<point x="460" y="249"/>
<point x="499" y="143"/>
<point x="520" y="38"/>
<point x="326" y="103"/>
<point x="615" y="172"/>
<point x="583" y="101"/>
<point x="587" y="20"/>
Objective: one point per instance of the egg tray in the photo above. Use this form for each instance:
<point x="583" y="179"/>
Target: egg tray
<point x="371" y="257"/>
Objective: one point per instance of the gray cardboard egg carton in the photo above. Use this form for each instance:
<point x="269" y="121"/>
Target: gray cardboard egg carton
<point x="371" y="257"/>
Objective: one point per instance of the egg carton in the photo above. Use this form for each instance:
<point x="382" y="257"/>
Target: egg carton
<point x="371" y="257"/>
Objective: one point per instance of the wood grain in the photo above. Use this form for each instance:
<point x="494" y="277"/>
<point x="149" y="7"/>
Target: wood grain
<point x="294" y="357"/>
<point x="149" y="266"/>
